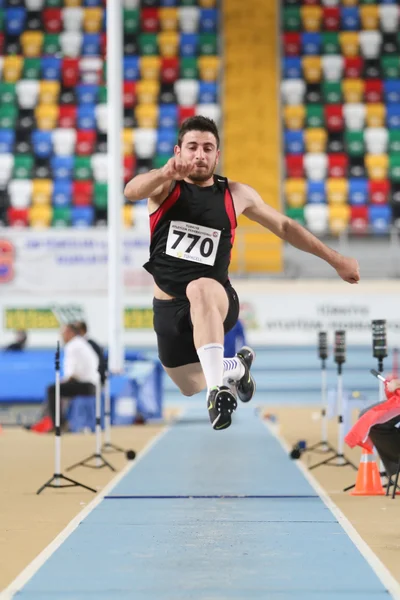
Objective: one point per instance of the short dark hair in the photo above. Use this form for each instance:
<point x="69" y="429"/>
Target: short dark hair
<point x="73" y="327"/>
<point x="198" y="123"/>
<point x="81" y="326"/>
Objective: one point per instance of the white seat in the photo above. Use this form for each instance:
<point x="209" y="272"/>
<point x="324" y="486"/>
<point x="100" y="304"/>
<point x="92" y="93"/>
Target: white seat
<point x="211" y="111"/>
<point x="1" y="65"/>
<point x="71" y="43"/>
<point x="332" y="66"/>
<point x="187" y="91"/>
<point x="27" y="92"/>
<point x="316" y="216"/>
<point x="64" y="141"/>
<point x="354" y="116"/>
<point x="370" y="43"/>
<point x="145" y="142"/>
<point x="34" y="4"/>
<point x="6" y="167"/>
<point x="189" y="17"/>
<point x="99" y="164"/>
<point x="141" y="218"/>
<point x="389" y="17"/>
<point x="72" y="18"/>
<point x="316" y="165"/>
<point x="293" y="91"/>
<point x="20" y="191"/>
<point x="132" y="4"/>
<point x="90" y="68"/>
<point x="330" y="2"/>
<point x="101" y="117"/>
<point x="376" y="140"/>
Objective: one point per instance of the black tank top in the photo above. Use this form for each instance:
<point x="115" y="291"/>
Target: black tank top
<point x="192" y="235"/>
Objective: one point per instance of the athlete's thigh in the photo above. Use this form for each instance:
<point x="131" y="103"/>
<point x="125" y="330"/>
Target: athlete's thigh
<point x="189" y="378"/>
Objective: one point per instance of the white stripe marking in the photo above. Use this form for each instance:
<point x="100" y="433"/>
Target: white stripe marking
<point x="22" y="579"/>
<point x="387" y="579"/>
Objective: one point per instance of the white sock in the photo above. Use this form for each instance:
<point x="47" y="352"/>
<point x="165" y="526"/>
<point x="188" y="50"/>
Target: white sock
<point x="233" y="369"/>
<point x="211" y="359"/>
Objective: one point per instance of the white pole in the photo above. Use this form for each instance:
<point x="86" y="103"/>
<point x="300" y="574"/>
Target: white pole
<point x="324" y="425"/>
<point x="57" y="454"/>
<point x="98" y="424"/>
<point x="107" y="411"/>
<point x="115" y="185"/>
<point x="340" y="449"/>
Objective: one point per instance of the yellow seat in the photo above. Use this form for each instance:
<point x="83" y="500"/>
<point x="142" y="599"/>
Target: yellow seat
<point x="93" y="19"/>
<point x="147" y="115"/>
<point x="168" y="18"/>
<point x="207" y="3"/>
<point x="32" y="42"/>
<point x="209" y="68"/>
<point x="246" y="255"/>
<point x="295" y="192"/>
<point x="353" y="90"/>
<point x="350" y="2"/>
<point x="311" y="17"/>
<point x="336" y="190"/>
<point x="40" y="215"/>
<point x="369" y="15"/>
<point x="377" y="166"/>
<point x="312" y="67"/>
<point x="147" y="91"/>
<point x="49" y="92"/>
<point x="127" y="215"/>
<point x="339" y="217"/>
<point x="12" y="68"/>
<point x="168" y="42"/>
<point x="42" y="190"/>
<point x="375" y="115"/>
<point x="150" y="67"/>
<point x="128" y="141"/>
<point x="315" y="139"/>
<point x="349" y="43"/>
<point x="294" y="116"/>
<point x="46" y="116"/>
<point x="73" y="3"/>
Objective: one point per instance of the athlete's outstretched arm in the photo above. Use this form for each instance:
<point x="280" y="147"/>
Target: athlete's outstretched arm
<point x="289" y="230"/>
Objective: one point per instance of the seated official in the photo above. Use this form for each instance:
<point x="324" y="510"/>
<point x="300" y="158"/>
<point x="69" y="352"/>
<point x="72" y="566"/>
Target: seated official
<point x="83" y="331"/>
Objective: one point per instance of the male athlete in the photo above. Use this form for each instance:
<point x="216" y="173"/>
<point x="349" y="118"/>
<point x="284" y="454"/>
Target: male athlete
<point x="192" y="221"/>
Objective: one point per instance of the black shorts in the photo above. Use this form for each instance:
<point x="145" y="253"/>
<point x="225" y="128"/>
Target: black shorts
<point x="174" y="329"/>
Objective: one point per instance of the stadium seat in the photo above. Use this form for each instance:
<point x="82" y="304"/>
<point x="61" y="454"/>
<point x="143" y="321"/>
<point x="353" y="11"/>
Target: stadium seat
<point x="85" y="142"/>
<point x="62" y="166"/>
<point x="377" y="166"/>
<point x="294" y="141"/>
<point x="379" y="191"/>
<point x="293" y="91"/>
<point x="359" y="219"/>
<point x="315" y="140"/>
<point x="337" y="190"/>
<point x="42" y="143"/>
<point x="316" y="216"/>
<point x="350" y="18"/>
<point x="316" y="166"/>
<point x="380" y="218"/>
<point x="292" y="43"/>
<point x="358" y="191"/>
<point x="20" y="191"/>
<point x="150" y="67"/>
<point x="72" y="17"/>
<point x="101" y="117"/>
<point x="17" y="217"/>
<point x="374" y="90"/>
<point x="40" y="216"/>
<point x="170" y="69"/>
<point x="394" y="141"/>
<point x="339" y="217"/>
<point x="394" y="168"/>
<point x="312" y="69"/>
<point x="187" y="91"/>
<point x="392" y="91"/>
<point x="99" y="164"/>
<point x="334" y="117"/>
<point x="82" y="216"/>
<point x="210" y="111"/>
<point x="375" y="115"/>
<point x="64" y="141"/>
<point x="337" y="165"/>
<point x="32" y="42"/>
<point x="295" y="192"/>
<point x="147" y="115"/>
<point x="376" y="140"/>
<point x="332" y="66"/>
<point x="62" y="193"/>
<point x="316" y="192"/>
<point x="294" y="166"/>
<point x="49" y="92"/>
<point x="310" y="43"/>
<point x="370" y="43"/>
<point x="353" y="90"/>
<point x="354" y="116"/>
<point x="42" y="191"/>
<point x="294" y="117"/>
<point x="369" y="15"/>
<point x="389" y="17"/>
<point x="169" y="18"/>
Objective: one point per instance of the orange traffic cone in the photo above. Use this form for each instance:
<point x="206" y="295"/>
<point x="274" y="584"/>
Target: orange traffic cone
<point x="368" y="481"/>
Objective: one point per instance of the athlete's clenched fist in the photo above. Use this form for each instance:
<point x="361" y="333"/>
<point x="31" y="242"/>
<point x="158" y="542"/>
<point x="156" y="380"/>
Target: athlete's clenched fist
<point x="177" y="169"/>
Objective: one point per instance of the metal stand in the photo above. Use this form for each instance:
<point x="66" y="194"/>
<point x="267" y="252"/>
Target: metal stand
<point x="395" y="483"/>
<point x="108" y="446"/>
<point x="99" y="459"/>
<point x="323" y="445"/>
<point x="55" y="481"/>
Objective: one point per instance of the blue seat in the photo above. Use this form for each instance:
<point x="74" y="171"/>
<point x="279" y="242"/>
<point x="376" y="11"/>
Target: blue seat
<point x="7" y="139"/>
<point x="350" y="18"/>
<point x="91" y="44"/>
<point x="51" y="68"/>
<point x="358" y="191"/>
<point x="168" y="116"/>
<point x="166" y="140"/>
<point x="81" y="413"/>
<point x="393" y="116"/>
<point x="208" y="20"/>
<point x="86" y="117"/>
<point x="208" y="92"/>
<point x="316" y="192"/>
<point x="389" y="1"/>
<point x="311" y="43"/>
<point x="131" y="68"/>
<point x="292" y="67"/>
<point x="15" y="20"/>
<point x="87" y="93"/>
<point x="62" y="166"/>
<point x="391" y="88"/>
<point x="168" y="2"/>
<point x="188" y="44"/>
<point x="42" y="143"/>
<point x="82" y="216"/>
<point x="294" y="141"/>
<point x="380" y="218"/>
<point x="62" y="192"/>
<point x="92" y="3"/>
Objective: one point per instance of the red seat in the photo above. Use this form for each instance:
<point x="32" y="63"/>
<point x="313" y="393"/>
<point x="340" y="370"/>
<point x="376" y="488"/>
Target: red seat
<point x="311" y="2"/>
<point x="70" y="72"/>
<point x="292" y="44"/>
<point x="129" y="167"/>
<point x="169" y="69"/>
<point x="67" y="115"/>
<point x="85" y="141"/>
<point x="1" y="43"/>
<point x="373" y="90"/>
<point x="337" y="165"/>
<point x="18" y="216"/>
<point x="150" y="20"/>
<point x="294" y="166"/>
<point x="52" y="20"/>
<point x="331" y="18"/>
<point x="82" y="193"/>
<point x="184" y="112"/>
<point x="103" y="44"/>
<point x="334" y="117"/>
<point x="353" y="67"/>
<point x="129" y="94"/>
<point x="378" y="191"/>
<point x="359" y="219"/>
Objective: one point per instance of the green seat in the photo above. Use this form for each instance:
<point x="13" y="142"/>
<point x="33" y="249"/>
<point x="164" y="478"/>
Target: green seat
<point x="354" y="141"/>
<point x="189" y="68"/>
<point x="148" y="45"/>
<point x="102" y="94"/>
<point x="291" y="18"/>
<point x="330" y="43"/>
<point x="31" y="69"/>
<point x="297" y="214"/>
<point x="61" y="216"/>
<point x="394" y="140"/>
<point x="54" y="3"/>
<point x="131" y="21"/>
<point x="8" y="116"/>
<point x="7" y="93"/>
<point x="390" y="66"/>
<point x="367" y="1"/>
<point x="82" y="168"/>
<point x="208" y="44"/>
<point x="394" y="167"/>
<point x="51" y="43"/>
<point x="188" y="3"/>
<point x="160" y="160"/>
<point x="23" y="165"/>
<point x="100" y="195"/>
<point x="314" y="115"/>
<point x="1" y="19"/>
<point x="104" y="73"/>
<point x="332" y="92"/>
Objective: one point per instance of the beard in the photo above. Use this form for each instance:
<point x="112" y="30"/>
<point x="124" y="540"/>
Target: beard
<point x="201" y="175"/>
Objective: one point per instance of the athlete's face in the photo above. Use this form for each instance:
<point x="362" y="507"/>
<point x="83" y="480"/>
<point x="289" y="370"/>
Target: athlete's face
<point x="199" y="147"/>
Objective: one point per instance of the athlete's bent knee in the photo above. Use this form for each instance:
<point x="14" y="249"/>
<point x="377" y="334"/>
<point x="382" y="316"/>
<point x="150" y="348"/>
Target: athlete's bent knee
<point x="191" y="389"/>
<point x="199" y="289"/>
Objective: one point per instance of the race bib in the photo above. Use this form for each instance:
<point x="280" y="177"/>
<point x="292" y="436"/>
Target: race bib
<point x="193" y="242"/>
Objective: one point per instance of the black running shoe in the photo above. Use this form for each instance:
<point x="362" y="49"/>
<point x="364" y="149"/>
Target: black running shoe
<point x="221" y="403"/>
<point x="246" y="386"/>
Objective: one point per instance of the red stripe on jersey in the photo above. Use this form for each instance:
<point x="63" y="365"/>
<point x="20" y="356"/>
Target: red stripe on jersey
<point x="230" y="211"/>
<point x="166" y="205"/>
